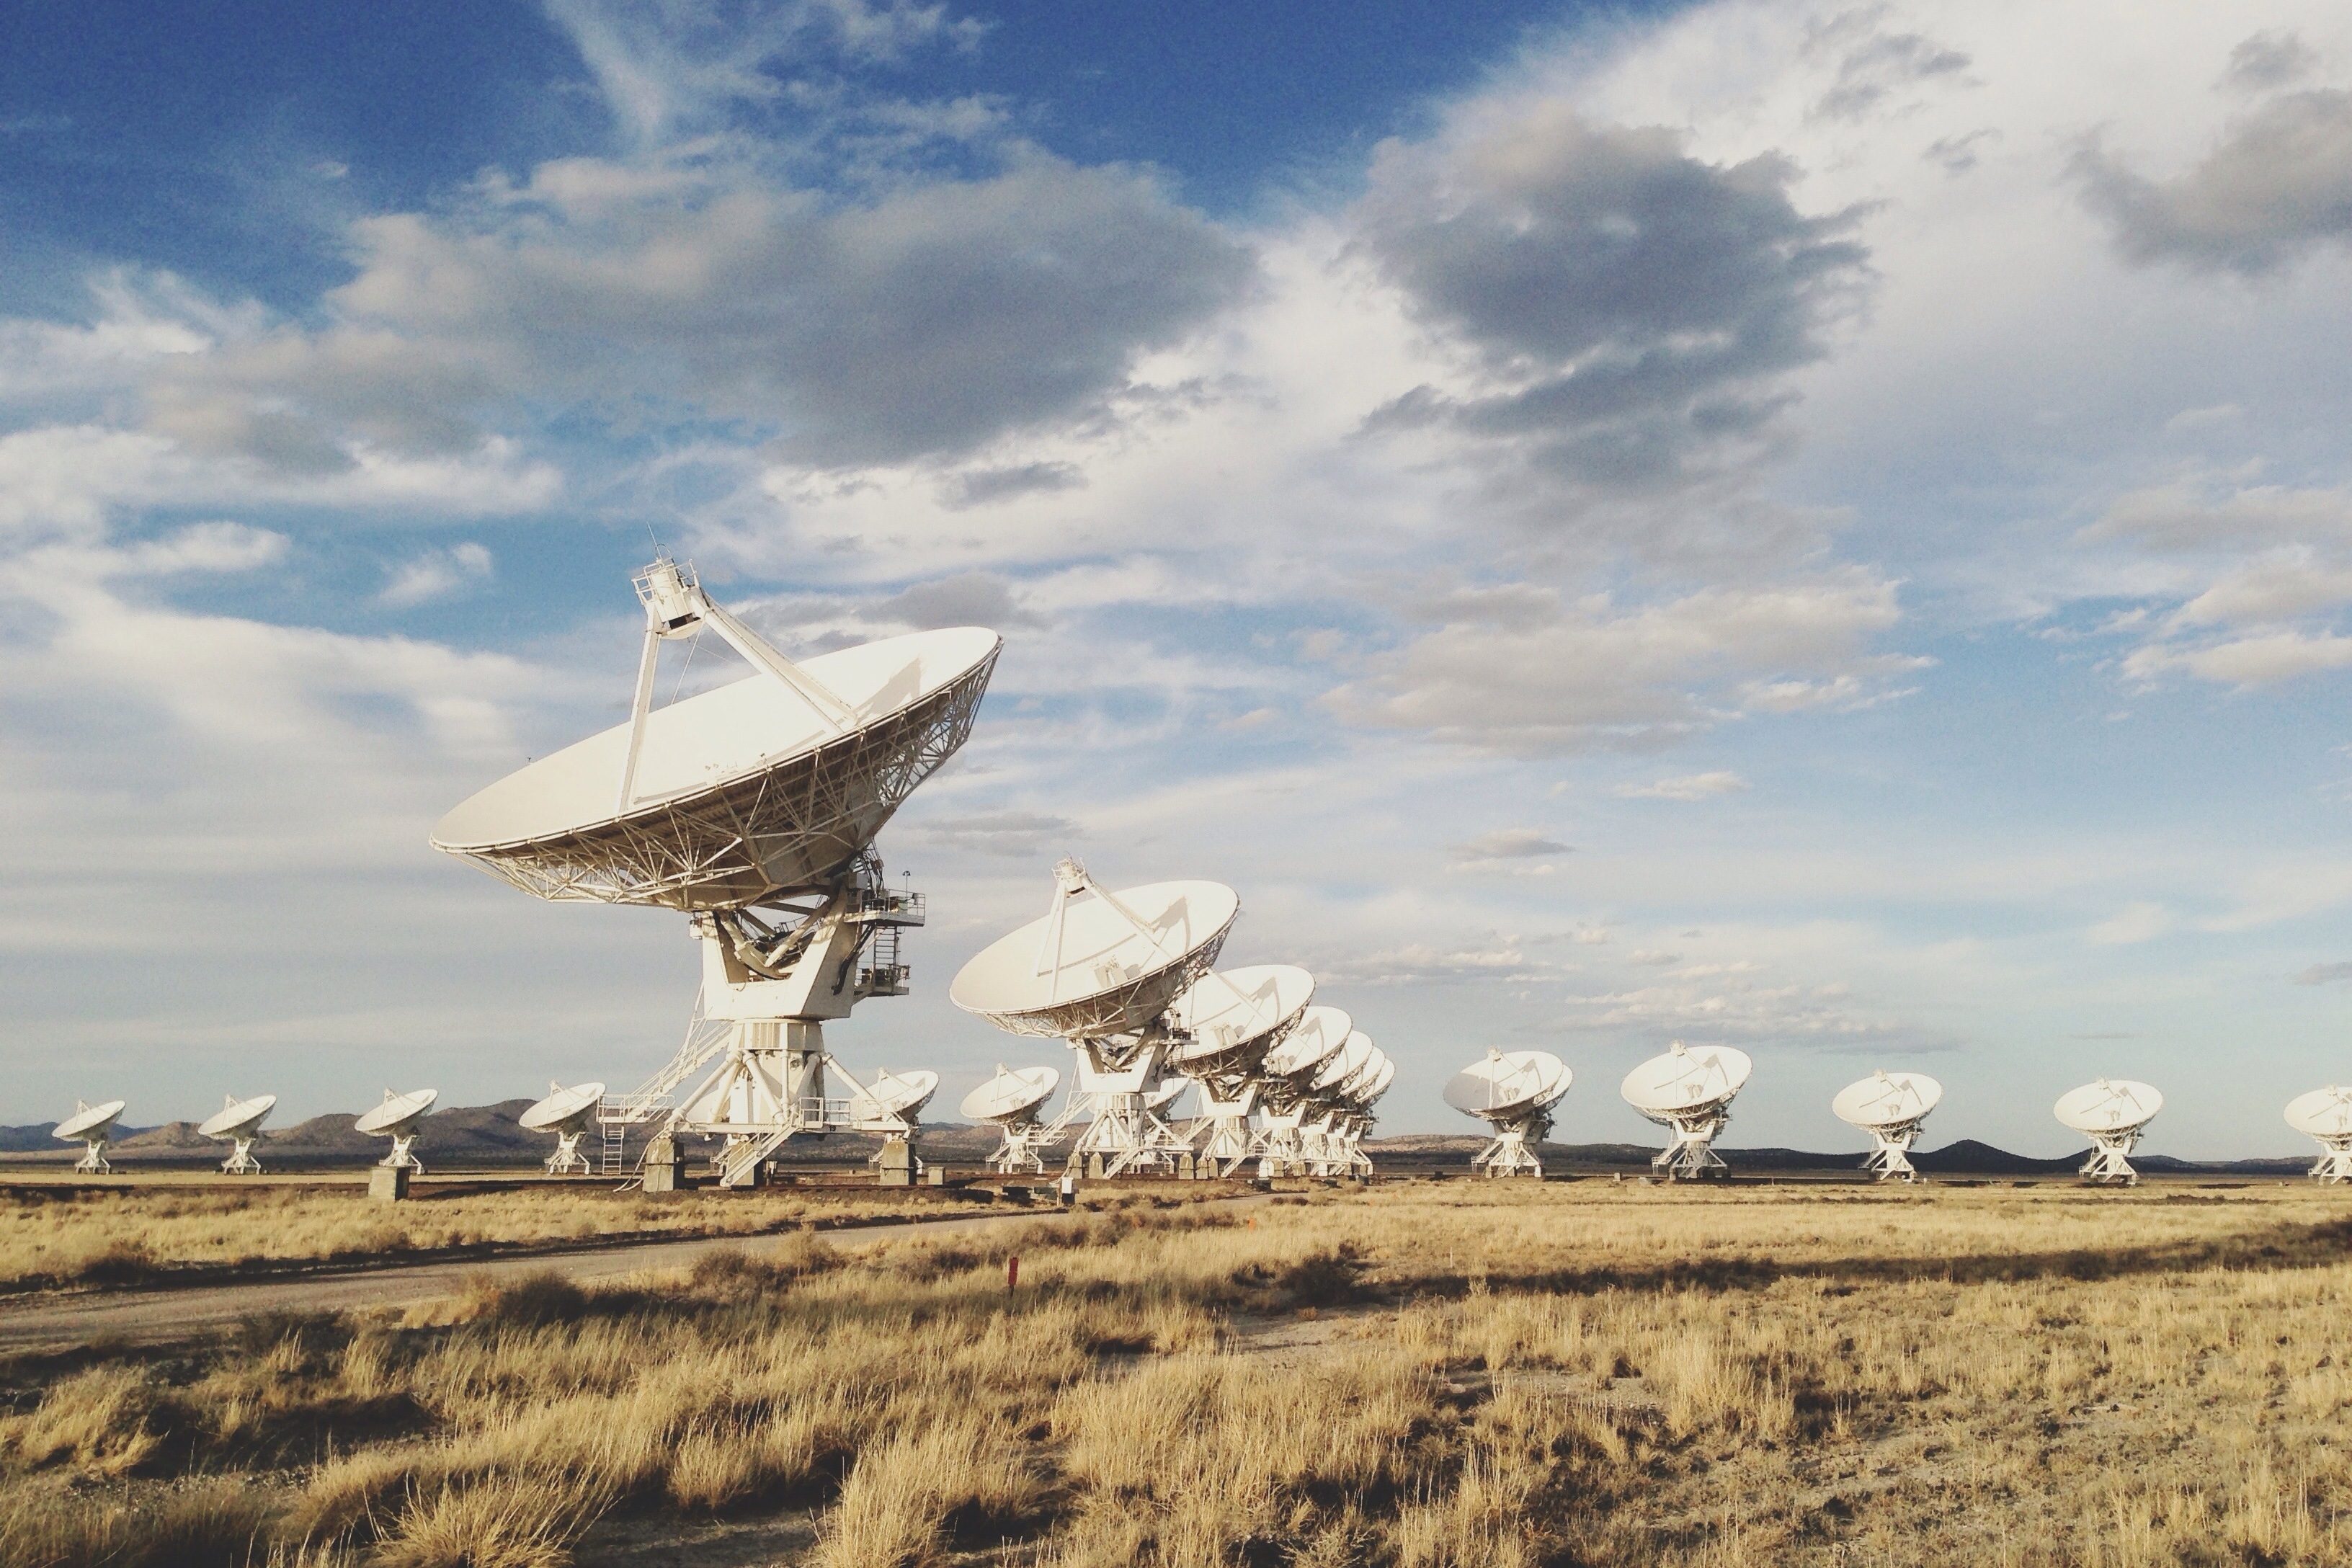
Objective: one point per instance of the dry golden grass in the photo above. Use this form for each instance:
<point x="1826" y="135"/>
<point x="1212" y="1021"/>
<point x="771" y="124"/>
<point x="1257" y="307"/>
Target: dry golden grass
<point x="1425" y="1376"/>
<point x="81" y="1236"/>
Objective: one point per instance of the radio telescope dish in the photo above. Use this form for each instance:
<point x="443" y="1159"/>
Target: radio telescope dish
<point x="396" y="1119"/>
<point x="1513" y="1092"/>
<point x="1893" y="1109"/>
<point x="1504" y="1083"/>
<point x="1095" y="968"/>
<point x="1012" y="1095"/>
<point x="238" y="1123"/>
<point x="1690" y="1092"/>
<point x="1234" y="1016"/>
<point x="1382" y="1076"/>
<point x="1012" y="1100"/>
<point x="2326" y="1114"/>
<point x="566" y="1113"/>
<point x="893" y="1100"/>
<point x="2113" y="1113"/>
<point x="1321" y="1034"/>
<point x="738" y="794"/>
<point x="90" y="1126"/>
<point x="766" y="792"/>
<point x="1355" y="1054"/>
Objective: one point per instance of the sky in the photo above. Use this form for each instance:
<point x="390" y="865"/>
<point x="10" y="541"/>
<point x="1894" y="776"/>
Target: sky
<point x="1820" y="529"/>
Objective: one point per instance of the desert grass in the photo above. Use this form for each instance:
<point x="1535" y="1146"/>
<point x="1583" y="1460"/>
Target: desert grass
<point x="69" y="1236"/>
<point x="1431" y="1374"/>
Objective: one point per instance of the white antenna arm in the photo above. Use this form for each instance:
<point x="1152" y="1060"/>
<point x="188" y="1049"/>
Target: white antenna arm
<point x="637" y="711"/>
<point x="748" y="643"/>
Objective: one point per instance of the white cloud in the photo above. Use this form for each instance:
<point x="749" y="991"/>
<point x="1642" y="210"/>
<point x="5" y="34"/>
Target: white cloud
<point x="437" y="573"/>
<point x="1509" y="843"/>
<point x="1688" y="786"/>
<point x="2136" y="922"/>
<point x="1516" y="670"/>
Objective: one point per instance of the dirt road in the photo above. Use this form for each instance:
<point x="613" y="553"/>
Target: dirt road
<point x="48" y="1324"/>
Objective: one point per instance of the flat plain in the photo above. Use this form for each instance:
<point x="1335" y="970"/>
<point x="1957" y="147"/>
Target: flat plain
<point x="1423" y="1373"/>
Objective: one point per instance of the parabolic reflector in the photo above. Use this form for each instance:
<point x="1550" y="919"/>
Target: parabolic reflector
<point x="1355" y="1053"/>
<point x="397" y="1112"/>
<point x="1319" y="1033"/>
<point x="91" y="1120"/>
<point x="1687" y="1079"/>
<point x="1377" y="1085"/>
<point x="2109" y="1105"/>
<point x="1086" y="970"/>
<point x="894" y="1094"/>
<point x="1509" y="1083"/>
<point x="564" y="1110"/>
<point x="1013" y="1095"/>
<point x="1234" y="1016"/>
<point x="2322" y="1113"/>
<point x="739" y="794"/>
<point x="238" y="1118"/>
<point x="1886" y="1099"/>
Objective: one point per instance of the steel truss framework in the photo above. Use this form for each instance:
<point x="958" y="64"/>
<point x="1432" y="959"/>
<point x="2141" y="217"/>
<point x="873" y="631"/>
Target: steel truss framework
<point x="567" y="1155"/>
<point x="2334" y="1160"/>
<point x="1512" y="1152"/>
<point x="1891" y="1154"/>
<point x="2110" y="1157"/>
<point x="241" y="1161"/>
<point x="1690" y="1155"/>
<point x="93" y="1161"/>
<point x="790" y="827"/>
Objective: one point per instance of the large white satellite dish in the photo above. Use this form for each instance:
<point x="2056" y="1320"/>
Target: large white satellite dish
<point x="1011" y="1101"/>
<point x="765" y="794"/>
<point x="1513" y="1092"/>
<point x="90" y="1126"/>
<point x="1355" y="1054"/>
<point x="238" y="1123"/>
<point x="1690" y="1092"/>
<point x="396" y="1119"/>
<point x="1099" y="965"/>
<point x="1321" y="1034"/>
<point x="1101" y="970"/>
<point x="2326" y="1114"/>
<point x="567" y="1113"/>
<point x="1232" y="1017"/>
<point x="2112" y="1113"/>
<point x="1892" y="1107"/>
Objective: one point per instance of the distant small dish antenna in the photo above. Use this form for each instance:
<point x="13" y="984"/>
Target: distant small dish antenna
<point x="1009" y="1101"/>
<point x="2112" y="1113"/>
<point x="238" y="1122"/>
<point x="567" y="1113"/>
<point x="1227" y="1025"/>
<point x="1512" y="1092"/>
<point x="396" y="1119"/>
<point x="1892" y="1107"/>
<point x="1691" y="1092"/>
<point x="2326" y="1114"/>
<point x="90" y="1126"/>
